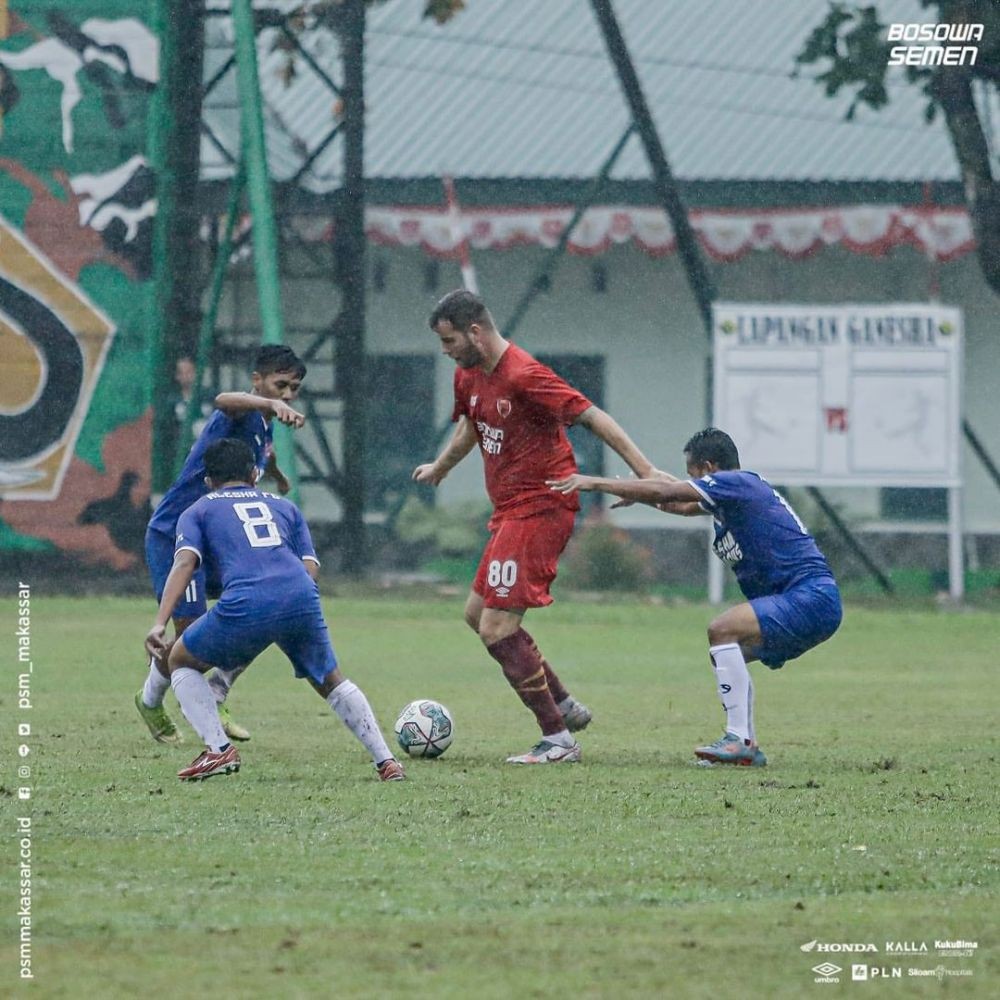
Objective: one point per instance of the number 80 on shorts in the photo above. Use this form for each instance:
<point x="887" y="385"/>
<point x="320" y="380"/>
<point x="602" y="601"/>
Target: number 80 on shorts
<point x="501" y="576"/>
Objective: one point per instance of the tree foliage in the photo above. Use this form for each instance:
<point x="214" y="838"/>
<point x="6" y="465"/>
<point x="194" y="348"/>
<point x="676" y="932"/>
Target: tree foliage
<point x="851" y="49"/>
<point x="328" y="11"/>
<point x="330" y="14"/>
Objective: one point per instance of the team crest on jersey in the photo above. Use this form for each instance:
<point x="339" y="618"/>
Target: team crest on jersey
<point x="503" y="408"/>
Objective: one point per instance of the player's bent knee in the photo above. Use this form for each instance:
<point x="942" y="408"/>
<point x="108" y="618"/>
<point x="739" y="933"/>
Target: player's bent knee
<point x="489" y="634"/>
<point x="332" y="680"/>
<point x="720" y="633"/>
<point x="181" y="657"/>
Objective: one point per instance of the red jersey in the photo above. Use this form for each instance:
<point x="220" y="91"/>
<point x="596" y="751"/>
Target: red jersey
<point x="519" y="412"/>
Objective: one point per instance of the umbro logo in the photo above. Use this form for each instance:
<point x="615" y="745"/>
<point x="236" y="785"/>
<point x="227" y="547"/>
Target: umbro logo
<point x="827" y="969"/>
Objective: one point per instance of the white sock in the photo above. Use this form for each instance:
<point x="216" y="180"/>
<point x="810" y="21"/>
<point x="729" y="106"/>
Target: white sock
<point x="155" y="687"/>
<point x="198" y="705"/>
<point x="220" y="681"/>
<point x="735" y="689"/>
<point x="561" y="739"/>
<point x="350" y="703"/>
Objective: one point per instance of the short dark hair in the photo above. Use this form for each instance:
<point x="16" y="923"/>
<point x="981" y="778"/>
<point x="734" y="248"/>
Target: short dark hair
<point x="713" y="445"/>
<point x="228" y="460"/>
<point x="273" y="358"/>
<point x="461" y="309"/>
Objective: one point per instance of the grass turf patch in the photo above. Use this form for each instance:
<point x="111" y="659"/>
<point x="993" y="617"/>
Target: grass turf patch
<point x="634" y="873"/>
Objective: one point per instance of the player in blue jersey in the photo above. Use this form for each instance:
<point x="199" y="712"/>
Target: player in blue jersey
<point x="259" y="545"/>
<point x="246" y="416"/>
<point x="792" y="599"/>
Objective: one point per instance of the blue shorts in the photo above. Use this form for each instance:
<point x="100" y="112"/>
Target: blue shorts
<point x="160" y="559"/>
<point x="794" y="622"/>
<point x="228" y="637"/>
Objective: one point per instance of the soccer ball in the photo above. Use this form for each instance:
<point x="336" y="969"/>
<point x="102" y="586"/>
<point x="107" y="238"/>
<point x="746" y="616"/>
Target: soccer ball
<point x="424" y="728"/>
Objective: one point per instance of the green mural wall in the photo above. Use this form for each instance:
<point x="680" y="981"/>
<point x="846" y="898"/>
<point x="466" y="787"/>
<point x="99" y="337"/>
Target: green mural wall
<point x="77" y="201"/>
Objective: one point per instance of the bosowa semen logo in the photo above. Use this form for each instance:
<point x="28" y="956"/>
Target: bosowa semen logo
<point x="934" y="44"/>
<point x="53" y="341"/>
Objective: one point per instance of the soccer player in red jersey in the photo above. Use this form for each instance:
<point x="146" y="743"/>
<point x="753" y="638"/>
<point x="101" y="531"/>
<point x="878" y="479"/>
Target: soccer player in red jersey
<point x="517" y="410"/>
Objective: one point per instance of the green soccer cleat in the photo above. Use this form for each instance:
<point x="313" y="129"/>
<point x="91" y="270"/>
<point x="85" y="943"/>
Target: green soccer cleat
<point x="231" y="727"/>
<point x="161" y="726"/>
<point x="730" y="749"/>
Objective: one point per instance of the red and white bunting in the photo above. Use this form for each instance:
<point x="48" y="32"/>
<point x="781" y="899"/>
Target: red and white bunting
<point x="942" y="234"/>
<point x="726" y="235"/>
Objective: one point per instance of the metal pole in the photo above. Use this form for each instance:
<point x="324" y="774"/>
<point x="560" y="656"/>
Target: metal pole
<point x="883" y="581"/>
<point x="206" y="333"/>
<point x="981" y="453"/>
<point x="956" y="563"/>
<point x="350" y="256"/>
<point x="553" y="257"/>
<point x="174" y="148"/>
<point x="698" y="275"/>
<point x="265" y="239"/>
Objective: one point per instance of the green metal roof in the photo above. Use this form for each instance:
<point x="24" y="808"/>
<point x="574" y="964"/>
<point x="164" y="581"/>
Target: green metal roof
<point x="525" y="89"/>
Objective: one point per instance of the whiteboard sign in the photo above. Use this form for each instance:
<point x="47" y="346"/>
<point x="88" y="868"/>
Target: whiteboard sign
<point x="847" y="395"/>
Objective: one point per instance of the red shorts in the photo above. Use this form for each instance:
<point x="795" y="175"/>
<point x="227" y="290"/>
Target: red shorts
<point x="520" y="559"/>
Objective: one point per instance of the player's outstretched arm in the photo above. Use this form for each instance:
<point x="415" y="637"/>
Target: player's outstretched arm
<point x="656" y="491"/>
<point x="233" y="403"/>
<point x="605" y="427"/>
<point x="185" y="563"/>
<point x="271" y="471"/>
<point x="462" y="441"/>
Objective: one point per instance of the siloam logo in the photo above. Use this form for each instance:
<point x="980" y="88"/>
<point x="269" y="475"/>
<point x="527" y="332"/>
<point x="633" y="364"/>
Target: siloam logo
<point x="940" y="971"/>
<point x="937" y="44"/>
<point x="826" y="972"/>
<point x="839" y="946"/>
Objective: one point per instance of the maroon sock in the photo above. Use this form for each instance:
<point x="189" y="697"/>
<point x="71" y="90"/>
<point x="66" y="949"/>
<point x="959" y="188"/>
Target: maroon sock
<point x="523" y="667"/>
<point x="558" y="692"/>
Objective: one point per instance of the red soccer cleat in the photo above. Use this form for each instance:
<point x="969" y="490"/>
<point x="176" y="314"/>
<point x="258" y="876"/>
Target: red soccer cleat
<point x="208" y="763"/>
<point x="390" y="770"/>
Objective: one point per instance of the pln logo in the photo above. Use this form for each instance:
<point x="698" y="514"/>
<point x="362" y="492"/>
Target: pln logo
<point x="864" y="973"/>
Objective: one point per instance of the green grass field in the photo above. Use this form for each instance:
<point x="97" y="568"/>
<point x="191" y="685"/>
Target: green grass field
<point x="632" y="874"/>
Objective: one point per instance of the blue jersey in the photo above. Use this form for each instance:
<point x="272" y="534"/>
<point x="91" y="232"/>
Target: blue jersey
<point x="255" y="542"/>
<point x="249" y="427"/>
<point x="759" y="534"/>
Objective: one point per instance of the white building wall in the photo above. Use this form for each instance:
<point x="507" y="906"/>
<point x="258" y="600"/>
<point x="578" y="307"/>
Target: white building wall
<point x="648" y="328"/>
